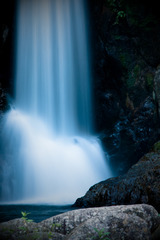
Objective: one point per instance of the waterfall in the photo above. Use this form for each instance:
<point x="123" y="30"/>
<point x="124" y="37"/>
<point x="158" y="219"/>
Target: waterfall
<point x="49" y="153"/>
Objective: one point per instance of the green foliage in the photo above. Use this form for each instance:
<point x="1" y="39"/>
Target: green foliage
<point x="4" y="229"/>
<point x="24" y="217"/>
<point x="133" y="12"/>
<point x="120" y="14"/>
<point x="117" y="37"/>
<point x="149" y="80"/>
<point x="123" y="59"/>
<point x="138" y="19"/>
<point x="112" y="4"/>
<point x="24" y="229"/>
<point x="55" y="225"/>
<point x="36" y="234"/>
<point x="134" y="74"/>
<point x="136" y="70"/>
<point x="156" y="147"/>
<point x="50" y="235"/>
<point x="117" y="8"/>
<point x="102" y="234"/>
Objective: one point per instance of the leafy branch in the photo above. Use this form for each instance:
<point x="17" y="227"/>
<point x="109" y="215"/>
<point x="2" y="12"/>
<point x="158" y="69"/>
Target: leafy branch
<point x="24" y="217"/>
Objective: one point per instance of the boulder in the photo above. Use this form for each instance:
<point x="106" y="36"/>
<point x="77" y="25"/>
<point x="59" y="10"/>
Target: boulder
<point x="133" y="222"/>
<point x="139" y="185"/>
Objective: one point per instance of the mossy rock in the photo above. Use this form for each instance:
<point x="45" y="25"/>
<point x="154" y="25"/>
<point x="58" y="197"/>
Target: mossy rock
<point x="156" y="146"/>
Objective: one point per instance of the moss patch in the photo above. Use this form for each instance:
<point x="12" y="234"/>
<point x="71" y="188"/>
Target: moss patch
<point x="156" y="146"/>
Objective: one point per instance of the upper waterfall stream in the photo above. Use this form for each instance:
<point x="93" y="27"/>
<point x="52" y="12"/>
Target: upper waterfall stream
<point x="48" y="151"/>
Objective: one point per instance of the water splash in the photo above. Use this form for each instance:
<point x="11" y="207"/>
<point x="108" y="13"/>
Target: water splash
<point x="49" y="153"/>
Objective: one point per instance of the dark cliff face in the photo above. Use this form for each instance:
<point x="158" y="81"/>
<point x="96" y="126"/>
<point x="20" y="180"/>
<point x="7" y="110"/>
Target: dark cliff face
<point x="7" y="20"/>
<point x="126" y="53"/>
<point x="7" y="31"/>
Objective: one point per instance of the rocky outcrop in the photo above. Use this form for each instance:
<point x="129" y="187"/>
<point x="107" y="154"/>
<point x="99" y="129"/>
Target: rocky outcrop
<point x="131" y="136"/>
<point x="134" y="222"/>
<point x="139" y="185"/>
<point x="126" y="79"/>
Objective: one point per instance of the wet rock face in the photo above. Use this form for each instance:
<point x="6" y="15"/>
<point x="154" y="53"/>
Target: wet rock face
<point x="7" y="40"/>
<point x="120" y="222"/>
<point x="126" y="82"/>
<point x="3" y="101"/>
<point x="131" y="136"/>
<point x="139" y="185"/>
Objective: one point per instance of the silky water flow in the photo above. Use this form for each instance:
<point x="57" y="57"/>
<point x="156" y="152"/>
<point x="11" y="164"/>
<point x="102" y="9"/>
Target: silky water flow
<point x="48" y="151"/>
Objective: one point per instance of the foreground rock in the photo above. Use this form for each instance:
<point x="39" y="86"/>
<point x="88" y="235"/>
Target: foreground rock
<point x="139" y="185"/>
<point x="134" y="222"/>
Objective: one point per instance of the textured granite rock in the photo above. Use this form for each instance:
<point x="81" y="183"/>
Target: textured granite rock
<point x="139" y="185"/>
<point x="133" y="222"/>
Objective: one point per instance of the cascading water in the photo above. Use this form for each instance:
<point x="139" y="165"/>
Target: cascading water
<point x="48" y="151"/>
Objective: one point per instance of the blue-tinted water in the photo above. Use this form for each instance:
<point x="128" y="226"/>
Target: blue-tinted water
<point x="38" y="213"/>
<point x="49" y="153"/>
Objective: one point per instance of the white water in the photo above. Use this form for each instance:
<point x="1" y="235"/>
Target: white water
<point x="49" y="152"/>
